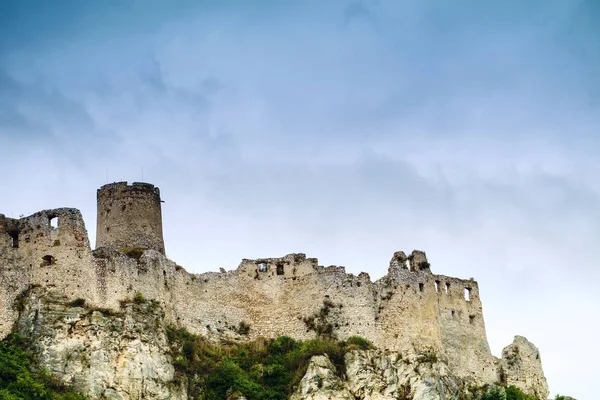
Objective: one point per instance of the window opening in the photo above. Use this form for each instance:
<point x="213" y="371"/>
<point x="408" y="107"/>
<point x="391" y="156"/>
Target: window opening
<point x="53" y="222"/>
<point x="437" y="286"/>
<point x="471" y="319"/>
<point x="48" y="260"/>
<point x="279" y="269"/>
<point x="447" y="287"/>
<point x="468" y="294"/>
<point x="420" y="287"/>
<point x="14" y="239"/>
<point x="262" y="267"/>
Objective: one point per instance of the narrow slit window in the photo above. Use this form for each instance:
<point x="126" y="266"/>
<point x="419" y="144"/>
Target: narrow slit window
<point x="447" y="287"/>
<point x="468" y="294"/>
<point x="420" y="287"/>
<point x="280" y="269"/>
<point x="437" y="286"/>
<point x="14" y="239"/>
<point x="471" y="319"/>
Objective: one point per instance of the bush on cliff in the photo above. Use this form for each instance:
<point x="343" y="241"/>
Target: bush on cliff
<point x="514" y="393"/>
<point x="19" y="382"/>
<point x="267" y="369"/>
<point x="508" y="393"/>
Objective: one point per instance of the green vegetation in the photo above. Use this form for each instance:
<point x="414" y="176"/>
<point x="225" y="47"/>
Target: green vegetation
<point x="358" y="343"/>
<point x="18" y="382"/>
<point x="243" y="328"/>
<point x="139" y="298"/>
<point x="268" y="369"/>
<point x="133" y="252"/>
<point x="509" y="393"/>
<point x="514" y="393"/>
<point x="320" y="321"/>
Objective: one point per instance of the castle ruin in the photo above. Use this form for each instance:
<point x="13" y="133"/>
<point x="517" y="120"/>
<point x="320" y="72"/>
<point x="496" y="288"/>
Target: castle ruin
<point x="410" y="310"/>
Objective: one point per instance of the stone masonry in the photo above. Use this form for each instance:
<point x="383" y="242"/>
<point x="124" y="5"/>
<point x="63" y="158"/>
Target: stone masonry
<point x="410" y="310"/>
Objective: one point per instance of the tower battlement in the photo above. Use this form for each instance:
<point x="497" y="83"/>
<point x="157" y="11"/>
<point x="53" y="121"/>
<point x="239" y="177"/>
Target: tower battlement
<point x="129" y="216"/>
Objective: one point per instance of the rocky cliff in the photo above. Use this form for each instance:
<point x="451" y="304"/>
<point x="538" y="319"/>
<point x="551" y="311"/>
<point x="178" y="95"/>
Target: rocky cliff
<point x="101" y="353"/>
<point x="126" y="354"/>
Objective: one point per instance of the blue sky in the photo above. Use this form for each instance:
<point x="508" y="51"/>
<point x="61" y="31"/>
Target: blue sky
<point x="343" y="129"/>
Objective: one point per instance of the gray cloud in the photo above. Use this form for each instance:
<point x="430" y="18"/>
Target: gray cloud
<point x="346" y="131"/>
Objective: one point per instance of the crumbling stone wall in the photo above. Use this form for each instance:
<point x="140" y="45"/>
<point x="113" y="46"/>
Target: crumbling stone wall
<point x="410" y="310"/>
<point x="295" y="296"/>
<point x="34" y="252"/>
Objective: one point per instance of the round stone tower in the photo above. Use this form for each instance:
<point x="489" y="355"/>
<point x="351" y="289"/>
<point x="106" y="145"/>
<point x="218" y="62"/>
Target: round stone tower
<point x="129" y="217"/>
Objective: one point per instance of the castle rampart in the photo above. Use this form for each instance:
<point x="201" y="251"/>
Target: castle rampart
<point x="410" y="310"/>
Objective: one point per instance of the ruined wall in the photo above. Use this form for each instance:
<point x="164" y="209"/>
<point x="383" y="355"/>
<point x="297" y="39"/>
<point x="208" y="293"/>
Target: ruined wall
<point x="462" y="327"/>
<point x="49" y="248"/>
<point x="413" y="312"/>
<point x="129" y="216"/>
<point x="410" y="310"/>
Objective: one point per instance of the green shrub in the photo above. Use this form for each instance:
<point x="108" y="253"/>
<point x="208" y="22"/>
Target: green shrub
<point x="139" y="298"/>
<point x="243" y="328"/>
<point x="18" y="382"/>
<point x="320" y="322"/>
<point x="514" y="393"/>
<point x="359" y="343"/>
<point x="262" y="369"/>
<point x="494" y="393"/>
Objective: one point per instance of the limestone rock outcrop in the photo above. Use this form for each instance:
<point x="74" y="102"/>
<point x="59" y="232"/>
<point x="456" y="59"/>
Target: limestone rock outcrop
<point x="102" y="354"/>
<point x="321" y="382"/>
<point x="521" y="366"/>
<point x="378" y="375"/>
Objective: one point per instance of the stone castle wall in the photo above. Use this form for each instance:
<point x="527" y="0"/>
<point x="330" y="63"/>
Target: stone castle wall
<point x="34" y="252"/>
<point x="409" y="310"/>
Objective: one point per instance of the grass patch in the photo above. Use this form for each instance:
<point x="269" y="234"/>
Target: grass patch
<point x="358" y="343"/>
<point x="138" y="298"/>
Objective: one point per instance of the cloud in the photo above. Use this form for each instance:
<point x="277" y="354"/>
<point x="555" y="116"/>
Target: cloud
<point x="345" y="130"/>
